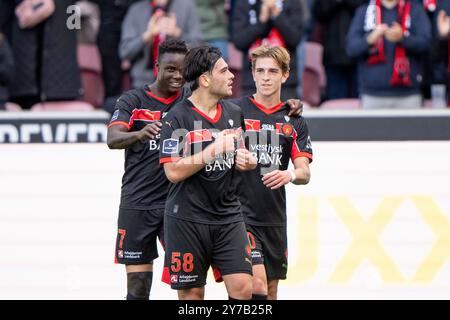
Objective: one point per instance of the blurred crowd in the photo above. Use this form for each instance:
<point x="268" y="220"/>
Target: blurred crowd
<point x="366" y="53"/>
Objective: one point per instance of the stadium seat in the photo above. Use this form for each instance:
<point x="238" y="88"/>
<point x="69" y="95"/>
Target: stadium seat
<point x="90" y="65"/>
<point x="10" y="106"/>
<point x="63" y="106"/>
<point x="341" y="104"/>
<point x="314" y="79"/>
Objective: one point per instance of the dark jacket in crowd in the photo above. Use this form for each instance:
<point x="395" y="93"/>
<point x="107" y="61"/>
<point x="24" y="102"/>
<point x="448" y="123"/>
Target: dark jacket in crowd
<point x="336" y="16"/>
<point x="289" y="24"/>
<point x="112" y="14"/>
<point x="45" y="55"/>
<point x="375" y="79"/>
<point x="6" y="69"/>
<point x="440" y="51"/>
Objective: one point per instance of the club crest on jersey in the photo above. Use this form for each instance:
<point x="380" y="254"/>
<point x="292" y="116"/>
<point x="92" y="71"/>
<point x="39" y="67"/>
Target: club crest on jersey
<point x="287" y="129"/>
<point x="170" y="146"/>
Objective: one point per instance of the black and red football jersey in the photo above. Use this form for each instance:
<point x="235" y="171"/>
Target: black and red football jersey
<point x="209" y="196"/>
<point x="273" y="138"/>
<point x="144" y="184"/>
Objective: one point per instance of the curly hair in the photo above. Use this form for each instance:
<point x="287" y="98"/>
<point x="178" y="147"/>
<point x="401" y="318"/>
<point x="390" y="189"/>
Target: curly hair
<point x="172" y="46"/>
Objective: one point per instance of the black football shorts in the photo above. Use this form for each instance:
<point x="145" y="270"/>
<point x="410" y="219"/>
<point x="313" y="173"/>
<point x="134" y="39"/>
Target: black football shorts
<point x="137" y="235"/>
<point x="191" y="248"/>
<point x="269" y="247"/>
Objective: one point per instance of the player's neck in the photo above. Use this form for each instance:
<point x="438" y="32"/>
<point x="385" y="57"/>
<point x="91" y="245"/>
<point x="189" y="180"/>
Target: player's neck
<point x="204" y="102"/>
<point x="160" y="91"/>
<point x="267" y="101"/>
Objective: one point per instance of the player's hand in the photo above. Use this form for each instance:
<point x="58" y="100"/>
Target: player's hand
<point x="150" y="131"/>
<point x="276" y="179"/>
<point x="226" y="141"/>
<point x="245" y="160"/>
<point x="296" y="107"/>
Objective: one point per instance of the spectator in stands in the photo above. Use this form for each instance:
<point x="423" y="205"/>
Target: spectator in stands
<point x="272" y="22"/>
<point x="90" y="22"/>
<point x="112" y="14"/>
<point x="427" y="79"/>
<point x="147" y="24"/>
<point x="44" y="50"/>
<point x="230" y="5"/>
<point x="389" y="38"/>
<point x="214" y="24"/>
<point x="335" y="17"/>
<point x="441" y="44"/>
<point x="6" y="69"/>
<point x="308" y="22"/>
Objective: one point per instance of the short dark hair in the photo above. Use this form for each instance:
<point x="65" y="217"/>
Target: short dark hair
<point x="199" y="60"/>
<point x="172" y="46"/>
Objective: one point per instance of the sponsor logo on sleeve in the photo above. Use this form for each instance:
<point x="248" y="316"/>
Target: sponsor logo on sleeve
<point x="170" y="146"/>
<point x="115" y="115"/>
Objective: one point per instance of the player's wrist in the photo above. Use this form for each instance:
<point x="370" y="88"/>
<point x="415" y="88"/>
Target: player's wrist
<point x="292" y="175"/>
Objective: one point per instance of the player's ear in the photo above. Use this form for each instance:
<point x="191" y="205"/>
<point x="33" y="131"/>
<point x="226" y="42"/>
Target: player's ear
<point x="285" y="77"/>
<point x="204" y="80"/>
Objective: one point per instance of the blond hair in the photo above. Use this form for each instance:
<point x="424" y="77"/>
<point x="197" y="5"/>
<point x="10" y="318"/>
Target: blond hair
<point x="279" y="54"/>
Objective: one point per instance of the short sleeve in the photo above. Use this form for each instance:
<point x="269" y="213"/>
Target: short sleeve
<point x="301" y="142"/>
<point x="124" y="111"/>
<point x="171" y="142"/>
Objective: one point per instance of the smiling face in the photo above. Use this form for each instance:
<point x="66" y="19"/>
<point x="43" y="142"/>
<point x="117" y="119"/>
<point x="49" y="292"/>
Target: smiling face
<point x="220" y="80"/>
<point x="268" y="76"/>
<point x="170" y="72"/>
